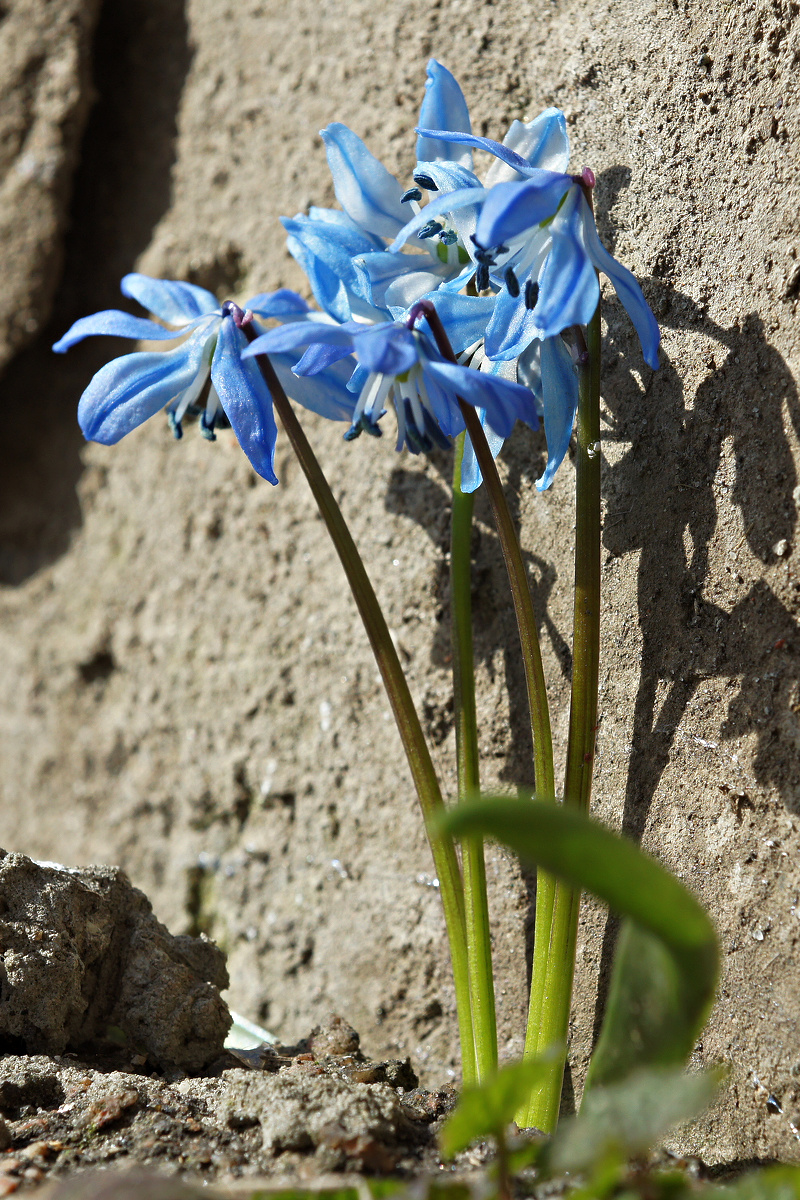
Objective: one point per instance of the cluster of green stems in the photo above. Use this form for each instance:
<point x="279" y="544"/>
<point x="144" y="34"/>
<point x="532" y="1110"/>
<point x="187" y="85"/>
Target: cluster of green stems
<point x="463" y="886"/>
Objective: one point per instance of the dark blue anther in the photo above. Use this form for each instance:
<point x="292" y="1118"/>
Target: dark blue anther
<point x="482" y="277"/>
<point x="175" y="426"/>
<point x="353" y="432"/>
<point x="531" y="294"/>
<point x="448" y="236"/>
<point x="207" y="427"/>
<point x="425" y="181"/>
<point x="411" y="194"/>
<point x="512" y="283"/>
<point x="430" y="230"/>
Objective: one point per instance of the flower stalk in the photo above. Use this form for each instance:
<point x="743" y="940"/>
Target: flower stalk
<point x="413" y="739"/>
<point x="479" y="945"/>
<point x="543" y="1109"/>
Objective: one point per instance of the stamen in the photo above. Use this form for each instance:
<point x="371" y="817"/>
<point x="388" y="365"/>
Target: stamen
<point x="531" y="294"/>
<point x="512" y="283"/>
<point x="425" y="181"/>
<point x="482" y="277"/>
<point x="449" y="237"/>
<point x="207" y="426"/>
<point x="411" y="194"/>
<point x="175" y="426"/>
<point x="430" y="230"/>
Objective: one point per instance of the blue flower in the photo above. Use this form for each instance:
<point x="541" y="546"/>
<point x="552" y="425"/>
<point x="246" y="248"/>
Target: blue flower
<point x="401" y="365"/>
<point x="539" y="238"/>
<point x="206" y="370"/>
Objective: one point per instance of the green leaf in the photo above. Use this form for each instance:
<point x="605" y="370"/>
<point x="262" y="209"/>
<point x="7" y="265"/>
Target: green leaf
<point x="665" y="969"/>
<point x="486" y="1109"/>
<point x="777" y="1183"/>
<point x="626" y="1119"/>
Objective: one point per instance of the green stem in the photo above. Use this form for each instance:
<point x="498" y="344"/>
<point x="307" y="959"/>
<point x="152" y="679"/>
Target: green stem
<point x="517" y="577"/>
<point x="414" y="744"/>
<point x="479" y="945"/>
<point x="557" y="990"/>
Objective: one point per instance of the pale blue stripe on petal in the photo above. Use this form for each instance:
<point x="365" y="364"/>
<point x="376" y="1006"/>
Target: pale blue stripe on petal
<point x="246" y="400"/>
<point x="168" y="299"/>
<point x="129" y="390"/>
<point x="115" y="323"/>
<point x="363" y="186"/>
<point x="443" y="107"/>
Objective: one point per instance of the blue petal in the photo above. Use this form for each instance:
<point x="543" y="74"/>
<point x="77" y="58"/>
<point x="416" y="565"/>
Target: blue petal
<point x="128" y="390"/>
<point x="387" y="349"/>
<point x="385" y="269"/>
<point x="170" y="300"/>
<point x="301" y="333"/>
<point x="335" y="216"/>
<point x="449" y="176"/>
<point x="464" y="317"/>
<point x="542" y="143"/>
<point x="513" y="208"/>
<point x="568" y="287"/>
<point x="446" y="203"/>
<point x="511" y="328"/>
<point x="445" y="406"/>
<point x="318" y="357"/>
<point x="480" y="143"/>
<point x="363" y="186"/>
<point x="326" y="393"/>
<point x="625" y="286"/>
<point x="560" y="397"/>
<point x="284" y="305"/>
<point x="357" y="380"/>
<point x="115" y="324"/>
<point x="246" y="400"/>
<point x="505" y="402"/>
<point x="471" y="477"/>
<point x="443" y="107"/>
<point x="325" y="251"/>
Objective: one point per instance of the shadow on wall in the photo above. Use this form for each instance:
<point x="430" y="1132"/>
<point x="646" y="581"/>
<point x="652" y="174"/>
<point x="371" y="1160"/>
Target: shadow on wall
<point x="661" y="501"/>
<point x="122" y="189"/>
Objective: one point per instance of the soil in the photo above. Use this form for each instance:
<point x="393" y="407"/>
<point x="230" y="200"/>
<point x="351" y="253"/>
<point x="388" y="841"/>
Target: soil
<point x="184" y="688"/>
<point x="296" y="1114"/>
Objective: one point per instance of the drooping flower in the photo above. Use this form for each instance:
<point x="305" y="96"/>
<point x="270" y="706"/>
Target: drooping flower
<point x="400" y="364"/>
<point x="205" y="371"/>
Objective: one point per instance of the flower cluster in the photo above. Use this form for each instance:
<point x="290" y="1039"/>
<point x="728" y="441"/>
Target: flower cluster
<point x="510" y="263"/>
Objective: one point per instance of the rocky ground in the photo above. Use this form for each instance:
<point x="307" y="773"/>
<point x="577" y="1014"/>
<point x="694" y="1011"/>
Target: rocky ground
<point x="184" y="690"/>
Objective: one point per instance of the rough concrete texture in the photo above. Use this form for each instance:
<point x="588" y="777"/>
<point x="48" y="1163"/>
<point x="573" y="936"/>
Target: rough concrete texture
<point x="44" y="99"/>
<point x="185" y="689"/>
<point x="82" y="952"/>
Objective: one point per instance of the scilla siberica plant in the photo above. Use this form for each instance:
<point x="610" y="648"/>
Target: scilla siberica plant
<point x="464" y="314"/>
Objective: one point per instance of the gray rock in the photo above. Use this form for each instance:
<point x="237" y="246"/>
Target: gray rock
<point x="44" y="98"/>
<point x="82" y="951"/>
<point x="304" y="1111"/>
